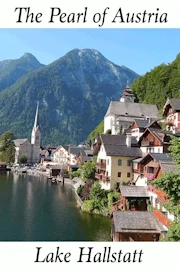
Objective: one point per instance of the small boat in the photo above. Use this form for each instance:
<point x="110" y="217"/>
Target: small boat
<point x="53" y="180"/>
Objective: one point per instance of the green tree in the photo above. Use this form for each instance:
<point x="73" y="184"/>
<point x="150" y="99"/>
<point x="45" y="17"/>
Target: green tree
<point x="174" y="148"/>
<point x="88" y="170"/>
<point x="7" y="150"/>
<point x="23" y="159"/>
<point x="108" y="131"/>
<point x="169" y="183"/>
<point x="97" y="193"/>
<point x="173" y="234"/>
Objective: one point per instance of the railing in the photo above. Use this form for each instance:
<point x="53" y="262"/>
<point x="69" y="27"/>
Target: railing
<point x="105" y="178"/>
<point x="170" y="122"/>
<point x="98" y="176"/>
<point x="150" y="176"/>
<point x="101" y="165"/>
<point x="139" y="171"/>
<point x="147" y="143"/>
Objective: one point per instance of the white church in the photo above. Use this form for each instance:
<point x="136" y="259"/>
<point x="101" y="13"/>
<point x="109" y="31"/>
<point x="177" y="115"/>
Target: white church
<point x="29" y="149"/>
<point x="121" y="114"/>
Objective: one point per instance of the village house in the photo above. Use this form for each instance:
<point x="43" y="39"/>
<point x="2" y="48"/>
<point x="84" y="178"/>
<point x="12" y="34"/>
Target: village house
<point x="139" y="126"/>
<point x="134" y="198"/>
<point x="77" y="156"/>
<point x="121" y="114"/>
<point x="22" y="148"/>
<point x="150" y="167"/>
<point x="171" y="111"/>
<point x="60" y="155"/>
<point x="156" y="140"/>
<point x="136" y="226"/>
<point x="114" y="159"/>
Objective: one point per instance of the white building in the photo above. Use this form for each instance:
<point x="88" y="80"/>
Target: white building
<point x="121" y="114"/>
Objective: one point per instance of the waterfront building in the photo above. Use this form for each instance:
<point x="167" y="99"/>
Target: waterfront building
<point x="130" y="226"/>
<point x="29" y="149"/>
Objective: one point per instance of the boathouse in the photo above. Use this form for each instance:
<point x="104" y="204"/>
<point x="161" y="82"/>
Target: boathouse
<point x="136" y="226"/>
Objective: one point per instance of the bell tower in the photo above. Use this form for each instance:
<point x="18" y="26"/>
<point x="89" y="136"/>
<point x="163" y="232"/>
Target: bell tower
<point x="35" y="138"/>
<point x="127" y="95"/>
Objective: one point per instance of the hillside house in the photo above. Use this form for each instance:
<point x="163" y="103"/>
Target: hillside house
<point x="150" y="167"/>
<point x="139" y="126"/>
<point x="114" y="159"/>
<point x="156" y="140"/>
<point x="122" y="113"/>
<point x="171" y="111"/>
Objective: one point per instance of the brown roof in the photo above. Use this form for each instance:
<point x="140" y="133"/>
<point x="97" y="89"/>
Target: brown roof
<point x="161" y="135"/>
<point x="134" y="191"/>
<point x="174" y="103"/>
<point x="133" y="221"/>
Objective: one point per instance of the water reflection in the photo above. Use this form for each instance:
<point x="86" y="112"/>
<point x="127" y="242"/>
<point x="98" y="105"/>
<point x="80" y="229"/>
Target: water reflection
<point x="31" y="209"/>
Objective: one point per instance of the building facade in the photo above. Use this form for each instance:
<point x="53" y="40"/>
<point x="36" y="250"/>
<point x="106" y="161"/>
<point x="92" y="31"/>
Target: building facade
<point x="31" y="150"/>
<point x="114" y="159"/>
<point x="122" y="113"/>
<point x="171" y="111"/>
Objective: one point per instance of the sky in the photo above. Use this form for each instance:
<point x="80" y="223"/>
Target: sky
<point x="138" y="49"/>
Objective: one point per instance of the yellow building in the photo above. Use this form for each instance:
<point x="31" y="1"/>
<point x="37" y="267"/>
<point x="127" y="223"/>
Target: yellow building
<point x="114" y="159"/>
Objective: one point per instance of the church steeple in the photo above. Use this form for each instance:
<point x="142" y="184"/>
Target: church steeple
<point x="36" y="123"/>
<point x="35" y="136"/>
<point x="127" y="95"/>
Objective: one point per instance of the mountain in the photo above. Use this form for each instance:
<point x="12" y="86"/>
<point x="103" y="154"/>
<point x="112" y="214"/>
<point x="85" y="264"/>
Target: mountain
<point x="158" y="84"/>
<point x="12" y="70"/>
<point x="73" y="92"/>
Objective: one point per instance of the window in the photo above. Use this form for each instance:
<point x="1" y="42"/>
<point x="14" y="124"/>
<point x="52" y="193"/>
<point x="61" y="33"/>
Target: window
<point x="129" y="162"/>
<point x="150" y="169"/>
<point x="135" y="165"/>
<point x="128" y="174"/>
<point x="119" y="162"/>
<point x="107" y="161"/>
<point x="119" y="174"/>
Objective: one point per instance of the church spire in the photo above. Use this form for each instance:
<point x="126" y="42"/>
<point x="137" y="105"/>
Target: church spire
<point x="127" y="84"/>
<point x="36" y="123"/>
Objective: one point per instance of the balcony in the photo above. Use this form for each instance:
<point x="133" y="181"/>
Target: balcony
<point x="150" y="176"/>
<point x="105" y="178"/>
<point x="138" y="171"/>
<point x="101" y="165"/>
<point x="98" y="176"/>
<point x="170" y="123"/>
<point x="147" y="143"/>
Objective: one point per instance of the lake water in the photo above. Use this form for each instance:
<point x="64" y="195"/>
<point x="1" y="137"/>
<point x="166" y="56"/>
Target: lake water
<point x="31" y="209"/>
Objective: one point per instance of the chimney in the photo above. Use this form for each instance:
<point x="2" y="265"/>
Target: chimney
<point x="128" y="139"/>
<point x="175" y="130"/>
